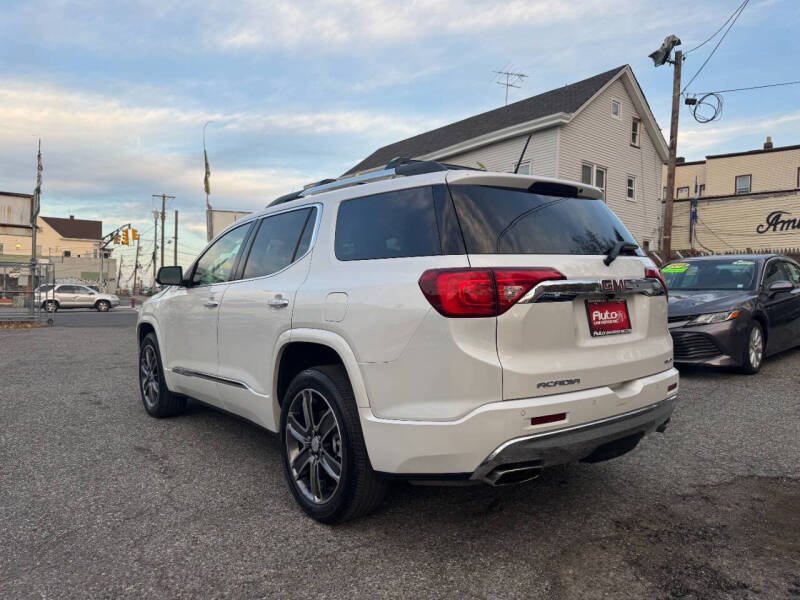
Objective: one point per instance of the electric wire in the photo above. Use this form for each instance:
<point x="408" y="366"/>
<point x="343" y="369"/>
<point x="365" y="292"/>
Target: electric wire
<point x="754" y="87"/>
<point x="737" y="14"/>
<point x="717" y="31"/>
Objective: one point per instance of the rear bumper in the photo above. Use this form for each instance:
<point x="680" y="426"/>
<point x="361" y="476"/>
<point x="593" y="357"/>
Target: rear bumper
<point x="494" y="433"/>
<point x="593" y="441"/>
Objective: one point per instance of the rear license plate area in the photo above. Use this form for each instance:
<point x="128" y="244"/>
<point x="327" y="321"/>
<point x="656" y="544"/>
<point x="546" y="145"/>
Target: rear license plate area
<point x="608" y="317"/>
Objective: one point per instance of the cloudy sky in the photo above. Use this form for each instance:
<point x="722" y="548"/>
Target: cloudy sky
<point x="301" y="90"/>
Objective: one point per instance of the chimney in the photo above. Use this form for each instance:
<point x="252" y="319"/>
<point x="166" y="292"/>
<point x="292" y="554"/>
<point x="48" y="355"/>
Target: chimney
<point x="72" y="217"/>
<point x="768" y="143"/>
<point x="680" y="160"/>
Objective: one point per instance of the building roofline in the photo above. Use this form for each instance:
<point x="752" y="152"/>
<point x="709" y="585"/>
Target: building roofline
<point x="759" y="151"/>
<point x="785" y="192"/>
<point x="689" y="163"/>
<point x="17" y="194"/>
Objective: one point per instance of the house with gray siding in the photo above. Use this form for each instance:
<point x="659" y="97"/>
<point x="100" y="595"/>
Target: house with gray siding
<point x="600" y="131"/>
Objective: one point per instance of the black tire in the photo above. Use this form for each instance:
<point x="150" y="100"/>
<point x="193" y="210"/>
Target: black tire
<point x="158" y="401"/>
<point x="50" y="305"/>
<point x="103" y="305"/>
<point x="752" y="361"/>
<point x="359" y="489"/>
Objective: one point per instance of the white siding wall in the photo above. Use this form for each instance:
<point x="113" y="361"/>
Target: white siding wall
<point x="503" y="156"/>
<point x="595" y="136"/>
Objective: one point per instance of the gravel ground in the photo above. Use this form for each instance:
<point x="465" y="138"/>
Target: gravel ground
<point x="99" y="500"/>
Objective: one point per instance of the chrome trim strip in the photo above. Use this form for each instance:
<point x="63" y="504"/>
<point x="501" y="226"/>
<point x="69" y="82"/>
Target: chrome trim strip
<point x="580" y="427"/>
<point x="563" y="290"/>
<point x="214" y="378"/>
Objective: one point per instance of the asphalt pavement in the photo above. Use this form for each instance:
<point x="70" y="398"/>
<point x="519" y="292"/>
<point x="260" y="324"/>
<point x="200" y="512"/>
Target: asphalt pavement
<point x="98" y="500"/>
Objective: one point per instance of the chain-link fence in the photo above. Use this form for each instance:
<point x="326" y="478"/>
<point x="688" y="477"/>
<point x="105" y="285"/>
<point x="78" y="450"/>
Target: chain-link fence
<point x="22" y="290"/>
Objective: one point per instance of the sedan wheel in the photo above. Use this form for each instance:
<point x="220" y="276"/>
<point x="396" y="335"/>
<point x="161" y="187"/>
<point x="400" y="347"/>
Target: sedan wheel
<point x="754" y="351"/>
<point x="103" y="305"/>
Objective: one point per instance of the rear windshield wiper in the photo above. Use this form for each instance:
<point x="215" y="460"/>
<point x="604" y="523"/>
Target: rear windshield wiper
<point x="617" y="249"/>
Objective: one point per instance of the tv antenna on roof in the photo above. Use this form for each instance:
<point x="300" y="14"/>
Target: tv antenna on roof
<point x="511" y="80"/>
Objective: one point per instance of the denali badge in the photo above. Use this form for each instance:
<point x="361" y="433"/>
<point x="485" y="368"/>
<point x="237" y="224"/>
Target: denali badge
<point x="616" y="285"/>
<point x="555" y="382"/>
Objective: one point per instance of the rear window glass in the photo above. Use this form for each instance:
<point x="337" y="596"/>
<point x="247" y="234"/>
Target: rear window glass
<point x="391" y="225"/>
<point x="511" y="221"/>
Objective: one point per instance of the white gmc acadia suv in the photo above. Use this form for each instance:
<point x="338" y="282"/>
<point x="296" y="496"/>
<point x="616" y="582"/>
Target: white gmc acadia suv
<point x="422" y="322"/>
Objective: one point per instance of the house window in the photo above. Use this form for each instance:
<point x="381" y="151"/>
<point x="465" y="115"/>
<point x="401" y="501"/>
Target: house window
<point x="1" y="249"/>
<point x="702" y="190"/>
<point x="743" y="184"/>
<point x="683" y="192"/>
<point x="524" y="167"/>
<point x="636" y="131"/>
<point x="615" y="109"/>
<point x="646" y="245"/>
<point x="798" y="177"/>
<point x="664" y="193"/>
<point x="631" y="187"/>
<point x="594" y="175"/>
<point x="67" y="253"/>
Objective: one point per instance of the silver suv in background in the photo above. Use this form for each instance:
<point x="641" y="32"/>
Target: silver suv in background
<point x="67" y="295"/>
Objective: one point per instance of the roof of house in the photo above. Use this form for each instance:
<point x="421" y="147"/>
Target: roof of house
<point x="759" y="151"/>
<point x="76" y="228"/>
<point x="567" y="99"/>
<point x="17" y="194"/>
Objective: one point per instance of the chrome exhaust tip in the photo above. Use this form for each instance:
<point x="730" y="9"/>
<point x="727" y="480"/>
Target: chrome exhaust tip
<point x="513" y="474"/>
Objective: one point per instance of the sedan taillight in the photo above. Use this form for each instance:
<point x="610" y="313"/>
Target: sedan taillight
<point x="480" y="292"/>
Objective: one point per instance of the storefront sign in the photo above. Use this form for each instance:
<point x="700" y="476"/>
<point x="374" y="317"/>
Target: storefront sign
<point x="776" y="222"/>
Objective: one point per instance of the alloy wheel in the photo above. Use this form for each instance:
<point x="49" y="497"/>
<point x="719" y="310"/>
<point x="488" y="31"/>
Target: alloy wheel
<point x="756" y="347"/>
<point x="314" y="446"/>
<point x="148" y="373"/>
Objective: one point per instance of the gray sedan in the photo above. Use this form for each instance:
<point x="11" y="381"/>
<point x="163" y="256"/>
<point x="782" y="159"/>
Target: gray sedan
<point x="733" y="310"/>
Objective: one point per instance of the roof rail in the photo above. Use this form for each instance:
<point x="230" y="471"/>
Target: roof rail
<point x="402" y="166"/>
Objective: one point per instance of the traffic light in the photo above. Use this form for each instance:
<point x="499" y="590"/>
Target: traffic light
<point x="125" y="239"/>
<point x="134" y="235"/>
<point x="116" y="239"/>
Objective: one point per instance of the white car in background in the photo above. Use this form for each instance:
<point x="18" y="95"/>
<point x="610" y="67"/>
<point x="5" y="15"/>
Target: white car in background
<point x="425" y="322"/>
<point x="67" y="295"/>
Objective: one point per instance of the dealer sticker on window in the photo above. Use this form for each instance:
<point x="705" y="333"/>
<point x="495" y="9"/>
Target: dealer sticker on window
<point x="608" y="317"/>
<point x="675" y="268"/>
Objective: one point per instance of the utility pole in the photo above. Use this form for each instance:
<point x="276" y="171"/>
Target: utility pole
<point x="155" y="244"/>
<point x="163" y="218"/>
<point x="517" y="78"/>
<point x="666" y="238"/>
<point x="661" y="56"/>
<point x="119" y="274"/>
<point x="175" y="241"/>
<point x="136" y="266"/>
<point x="102" y="253"/>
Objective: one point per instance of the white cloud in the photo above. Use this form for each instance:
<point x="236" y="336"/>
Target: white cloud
<point x="695" y="139"/>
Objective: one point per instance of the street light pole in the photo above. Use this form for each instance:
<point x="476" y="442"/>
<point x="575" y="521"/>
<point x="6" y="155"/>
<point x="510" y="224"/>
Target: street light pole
<point x="666" y="241"/>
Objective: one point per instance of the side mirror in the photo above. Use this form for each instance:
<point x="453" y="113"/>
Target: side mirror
<point x="781" y="286"/>
<point x="170" y="276"/>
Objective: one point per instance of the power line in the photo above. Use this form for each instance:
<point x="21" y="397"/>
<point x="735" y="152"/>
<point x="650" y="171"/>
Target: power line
<point x="718" y="30"/>
<point x="755" y="87"/>
<point x="737" y="13"/>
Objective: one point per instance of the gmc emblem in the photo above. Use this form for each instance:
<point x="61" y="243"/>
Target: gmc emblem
<point x="616" y="285"/>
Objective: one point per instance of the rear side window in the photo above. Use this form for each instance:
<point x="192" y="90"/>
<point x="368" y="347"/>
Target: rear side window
<point x="413" y="222"/>
<point x="280" y="240"/>
<point x="511" y="221"/>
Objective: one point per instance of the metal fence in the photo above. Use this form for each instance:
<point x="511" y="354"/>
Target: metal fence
<point x="19" y="282"/>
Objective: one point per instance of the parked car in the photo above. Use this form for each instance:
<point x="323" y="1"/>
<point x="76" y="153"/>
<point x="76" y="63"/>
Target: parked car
<point x="422" y="322"/>
<point x="733" y="310"/>
<point x="66" y="295"/>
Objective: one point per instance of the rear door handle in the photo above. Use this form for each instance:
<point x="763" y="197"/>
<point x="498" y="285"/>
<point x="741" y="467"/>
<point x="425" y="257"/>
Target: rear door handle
<point x="211" y="303"/>
<point x="278" y="302"/>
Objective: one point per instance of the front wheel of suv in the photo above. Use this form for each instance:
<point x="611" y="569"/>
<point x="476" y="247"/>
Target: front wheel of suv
<point x="158" y="401"/>
<point x="103" y="305"/>
<point x="324" y="455"/>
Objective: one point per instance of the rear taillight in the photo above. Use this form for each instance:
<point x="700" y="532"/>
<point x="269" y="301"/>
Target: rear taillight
<point x="651" y="273"/>
<point x="480" y="292"/>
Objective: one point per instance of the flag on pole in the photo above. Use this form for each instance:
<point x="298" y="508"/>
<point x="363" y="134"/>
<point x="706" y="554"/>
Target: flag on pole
<point x="206" y="184"/>
<point x="38" y="190"/>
